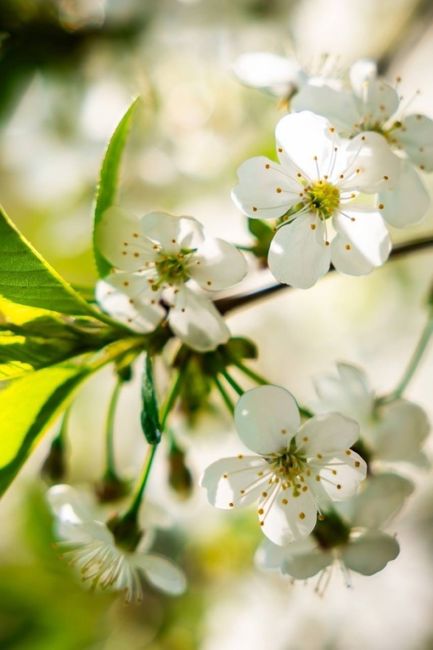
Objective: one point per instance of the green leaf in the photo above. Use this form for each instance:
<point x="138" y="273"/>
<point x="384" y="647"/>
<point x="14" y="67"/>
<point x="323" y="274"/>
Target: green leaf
<point x="27" y="406"/>
<point x="27" y="279"/>
<point x="149" y="414"/>
<point x="109" y="179"/>
<point x="264" y="234"/>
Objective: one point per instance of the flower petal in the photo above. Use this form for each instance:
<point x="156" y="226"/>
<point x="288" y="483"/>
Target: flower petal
<point x="380" y="500"/>
<point x="162" y="573"/>
<point x="416" y="138"/>
<point x="235" y="482"/>
<point x="408" y="202"/>
<point x="308" y="140"/>
<point x="171" y="233"/>
<point x="370" y="165"/>
<point x="266" y="190"/>
<point x="360" y="245"/>
<point x="370" y="552"/>
<point x="119" y="240"/>
<point x="349" y="393"/>
<point x="196" y="321"/>
<point x="267" y="418"/>
<point x="298" y="254"/>
<point x="361" y="71"/>
<point x="140" y="317"/>
<point x="327" y="434"/>
<point x="288" y="518"/>
<point x="377" y="101"/>
<point x="277" y="74"/>
<point x="341" y="473"/>
<point x="402" y="430"/>
<point x="338" y="106"/>
<point x="218" y="265"/>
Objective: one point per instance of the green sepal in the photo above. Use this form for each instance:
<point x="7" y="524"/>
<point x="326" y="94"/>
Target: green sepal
<point x="263" y="233"/>
<point x="149" y="413"/>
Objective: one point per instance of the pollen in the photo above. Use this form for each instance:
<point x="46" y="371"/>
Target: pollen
<point x="284" y="501"/>
<point x="302" y="515"/>
<point x="348" y="247"/>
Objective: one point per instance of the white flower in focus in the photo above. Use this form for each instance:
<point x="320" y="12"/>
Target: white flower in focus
<point x="297" y="470"/>
<point x="88" y="544"/>
<point x="353" y="540"/>
<point x="392" y="432"/>
<point x="156" y="257"/>
<point x="374" y="105"/>
<point x="320" y="179"/>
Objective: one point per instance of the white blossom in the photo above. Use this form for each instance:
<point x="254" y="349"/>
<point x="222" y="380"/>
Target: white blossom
<point x="391" y="431"/>
<point x="296" y="472"/>
<point x="373" y="105"/>
<point x="320" y="179"/>
<point x="157" y="258"/>
<point x="89" y="545"/>
<point x="356" y="543"/>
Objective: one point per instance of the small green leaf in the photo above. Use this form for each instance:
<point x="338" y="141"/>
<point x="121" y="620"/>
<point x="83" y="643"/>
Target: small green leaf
<point x="264" y="233"/>
<point x="149" y="414"/>
<point x="27" y="279"/>
<point x="27" y="406"/>
<point x="109" y="179"/>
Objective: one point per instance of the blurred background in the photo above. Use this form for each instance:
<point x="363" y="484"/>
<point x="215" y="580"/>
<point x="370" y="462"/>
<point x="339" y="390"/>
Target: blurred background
<point x="68" y="70"/>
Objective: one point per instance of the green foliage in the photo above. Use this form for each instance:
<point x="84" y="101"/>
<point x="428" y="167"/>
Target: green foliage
<point x="149" y="413"/>
<point x="263" y="233"/>
<point x="27" y="406"/>
<point x="27" y="279"/>
<point x="109" y="179"/>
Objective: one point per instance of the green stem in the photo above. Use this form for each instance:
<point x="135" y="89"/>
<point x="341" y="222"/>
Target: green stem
<point x="110" y="472"/>
<point x="170" y="401"/>
<point x="232" y="382"/>
<point x="222" y="391"/>
<point x="132" y="511"/>
<point x="251" y="374"/>
<point x="415" y="359"/>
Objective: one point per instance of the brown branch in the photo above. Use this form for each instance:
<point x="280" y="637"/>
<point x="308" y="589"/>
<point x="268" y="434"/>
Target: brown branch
<point x="230" y="303"/>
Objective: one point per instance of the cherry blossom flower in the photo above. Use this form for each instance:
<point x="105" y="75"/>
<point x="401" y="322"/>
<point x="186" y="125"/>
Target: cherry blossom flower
<point x="89" y="545"/>
<point x="296" y="472"/>
<point x="352" y="541"/>
<point x="158" y="258"/>
<point x="319" y="179"/>
<point x="391" y="432"/>
<point x="373" y="105"/>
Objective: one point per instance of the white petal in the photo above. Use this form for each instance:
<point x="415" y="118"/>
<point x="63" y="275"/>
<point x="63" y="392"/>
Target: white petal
<point x="139" y="317"/>
<point x="341" y="474"/>
<point x="370" y="165"/>
<point x="408" y="202"/>
<point x="401" y="432"/>
<point x="339" y="107"/>
<point x="301" y="559"/>
<point x="118" y="238"/>
<point x="265" y="189"/>
<point x="308" y="141"/>
<point x="298" y="254"/>
<point x="270" y="556"/>
<point x="377" y="101"/>
<point x="283" y="522"/>
<point x="380" y="500"/>
<point x="197" y="322"/>
<point x="277" y="74"/>
<point x="370" y="552"/>
<point x="218" y="265"/>
<point x="416" y="138"/>
<point x="267" y="418"/>
<point x="162" y="573"/>
<point x="69" y="505"/>
<point x="235" y="482"/>
<point x="361" y="71"/>
<point x="349" y="393"/>
<point x="360" y="245"/>
<point x="171" y="233"/>
<point x="327" y="434"/>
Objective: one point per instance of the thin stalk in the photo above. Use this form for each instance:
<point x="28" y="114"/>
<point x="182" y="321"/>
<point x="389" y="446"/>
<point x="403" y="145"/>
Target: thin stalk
<point x="251" y="374"/>
<point x="233" y="383"/>
<point x="110" y="471"/>
<point x="415" y="359"/>
<point x="225" y="396"/>
<point x="170" y="401"/>
<point x="132" y="511"/>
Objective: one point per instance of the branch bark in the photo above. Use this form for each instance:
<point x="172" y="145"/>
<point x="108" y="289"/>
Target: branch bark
<point x="228" y="304"/>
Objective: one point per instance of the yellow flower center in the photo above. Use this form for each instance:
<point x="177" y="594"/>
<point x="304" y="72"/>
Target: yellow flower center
<point x="323" y="198"/>
<point x="172" y="268"/>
